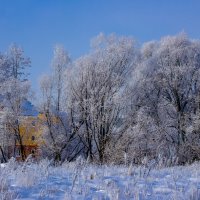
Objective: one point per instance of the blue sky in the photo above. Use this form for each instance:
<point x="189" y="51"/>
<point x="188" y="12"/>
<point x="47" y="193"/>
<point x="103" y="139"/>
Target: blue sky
<point x="37" y="25"/>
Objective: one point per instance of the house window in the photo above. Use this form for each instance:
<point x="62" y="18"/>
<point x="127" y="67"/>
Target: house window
<point x="33" y="151"/>
<point x="33" y="138"/>
<point x="18" y="152"/>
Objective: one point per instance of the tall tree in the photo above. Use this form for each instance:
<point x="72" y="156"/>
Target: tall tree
<point x="14" y="90"/>
<point x="98" y="85"/>
<point x="58" y="134"/>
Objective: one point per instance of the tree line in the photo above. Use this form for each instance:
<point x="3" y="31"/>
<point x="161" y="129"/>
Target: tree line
<point x="120" y="103"/>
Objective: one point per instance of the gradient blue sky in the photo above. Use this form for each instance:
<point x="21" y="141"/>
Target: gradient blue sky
<point x="37" y="25"/>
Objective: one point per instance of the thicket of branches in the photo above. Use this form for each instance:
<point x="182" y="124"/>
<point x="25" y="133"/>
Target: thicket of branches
<point x="122" y="103"/>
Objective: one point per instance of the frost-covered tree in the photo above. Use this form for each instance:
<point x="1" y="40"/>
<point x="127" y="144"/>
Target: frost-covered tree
<point x="97" y="94"/>
<point x="14" y="90"/>
<point x="58" y="136"/>
<point x="59" y="63"/>
<point x="169" y="91"/>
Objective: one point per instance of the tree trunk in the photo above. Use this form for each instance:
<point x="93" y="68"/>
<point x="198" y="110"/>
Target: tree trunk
<point x="3" y="155"/>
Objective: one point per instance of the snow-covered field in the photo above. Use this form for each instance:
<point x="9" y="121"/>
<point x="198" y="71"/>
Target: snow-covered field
<point x="81" y="181"/>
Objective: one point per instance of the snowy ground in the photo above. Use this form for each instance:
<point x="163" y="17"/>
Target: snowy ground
<point x="81" y="181"/>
